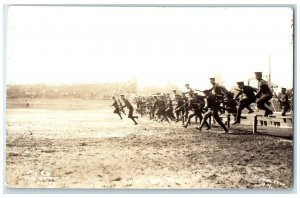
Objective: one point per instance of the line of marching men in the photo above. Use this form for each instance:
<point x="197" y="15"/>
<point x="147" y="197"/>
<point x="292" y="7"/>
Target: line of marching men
<point x="213" y="102"/>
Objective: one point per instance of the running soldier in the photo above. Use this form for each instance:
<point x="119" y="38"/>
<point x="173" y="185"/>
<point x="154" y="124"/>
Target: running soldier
<point x="117" y="109"/>
<point x="264" y="94"/>
<point x="220" y="91"/>
<point x="170" y="109"/>
<point x="151" y="108"/>
<point x="212" y="107"/>
<point x="186" y="107"/>
<point x="121" y="106"/>
<point x="179" y="109"/>
<point x="130" y="108"/>
<point x="195" y="104"/>
<point x="245" y="102"/>
<point x="230" y="104"/>
<point x="284" y="101"/>
<point x="161" y="109"/>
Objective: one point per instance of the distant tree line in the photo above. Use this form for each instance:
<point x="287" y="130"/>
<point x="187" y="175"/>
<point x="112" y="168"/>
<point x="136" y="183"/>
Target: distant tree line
<point x="82" y="91"/>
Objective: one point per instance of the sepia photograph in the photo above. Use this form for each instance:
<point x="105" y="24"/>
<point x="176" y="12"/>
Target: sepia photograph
<point x="149" y="97"/>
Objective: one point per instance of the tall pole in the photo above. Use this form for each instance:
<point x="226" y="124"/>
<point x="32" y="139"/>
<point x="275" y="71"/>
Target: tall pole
<point x="270" y="80"/>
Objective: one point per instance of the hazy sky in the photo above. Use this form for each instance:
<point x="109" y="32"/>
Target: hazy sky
<point x="158" y="45"/>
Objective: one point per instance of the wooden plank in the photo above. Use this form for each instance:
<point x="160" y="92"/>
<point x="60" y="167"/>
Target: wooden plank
<point x="280" y="116"/>
<point x="275" y="119"/>
<point x="270" y="116"/>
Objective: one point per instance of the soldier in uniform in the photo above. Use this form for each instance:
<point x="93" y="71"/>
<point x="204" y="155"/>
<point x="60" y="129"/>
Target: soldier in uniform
<point x="245" y="102"/>
<point x="130" y="108"/>
<point x="212" y="107"/>
<point x="169" y="110"/>
<point x="219" y="90"/>
<point x="173" y="96"/>
<point x="27" y="104"/>
<point x="116" y="105"/>
<point x="151" y="107"/>
<point x="121" y="106"/>
<point x="168" y="96"/>
<point x="161" y="109"/>
<point x="186" y="107"/>
<point x="195" y="104"/>
<point x="264" y="94"/>
<point x="138" y="102"/>
<point x="284" y="101"/>
<point x="230" y="104"/>
<point x="189" y="91"/>
<point x="179" y="109"/>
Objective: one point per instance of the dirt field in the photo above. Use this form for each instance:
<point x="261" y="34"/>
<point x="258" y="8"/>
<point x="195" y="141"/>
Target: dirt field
<point x="82" y="144"/>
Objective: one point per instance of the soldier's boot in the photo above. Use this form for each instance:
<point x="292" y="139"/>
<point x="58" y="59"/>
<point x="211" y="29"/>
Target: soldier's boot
<point x="135" y="123"/>
<point x="120" y="116"/>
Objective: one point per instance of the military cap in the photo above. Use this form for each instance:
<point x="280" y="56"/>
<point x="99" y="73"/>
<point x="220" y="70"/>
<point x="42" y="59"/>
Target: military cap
<point x="240" y="83"/>
<point x="187" y="84"/>
<point x="283" y="88"/>
<point x="258" y="73"/>
<point x="122" y="95"/>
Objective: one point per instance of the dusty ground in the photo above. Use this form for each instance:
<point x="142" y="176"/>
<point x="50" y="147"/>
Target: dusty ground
<point x="93" y="148"/>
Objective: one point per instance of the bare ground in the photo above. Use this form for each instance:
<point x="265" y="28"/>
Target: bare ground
<point x="95" y="149"/>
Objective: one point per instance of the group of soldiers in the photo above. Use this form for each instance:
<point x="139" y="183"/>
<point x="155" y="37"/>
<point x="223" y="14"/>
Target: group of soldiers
<point x="213" y="102"/>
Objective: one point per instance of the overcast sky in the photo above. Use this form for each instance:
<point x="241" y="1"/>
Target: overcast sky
<point x="157" y="45"/>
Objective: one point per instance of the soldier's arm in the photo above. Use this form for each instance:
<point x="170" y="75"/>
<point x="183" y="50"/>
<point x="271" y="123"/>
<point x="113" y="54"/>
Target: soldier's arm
<point x="237" y="95"/>
<point x="125" y="104"/>
<point x="258" y="92"/>
<point x="254" y="89"/>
